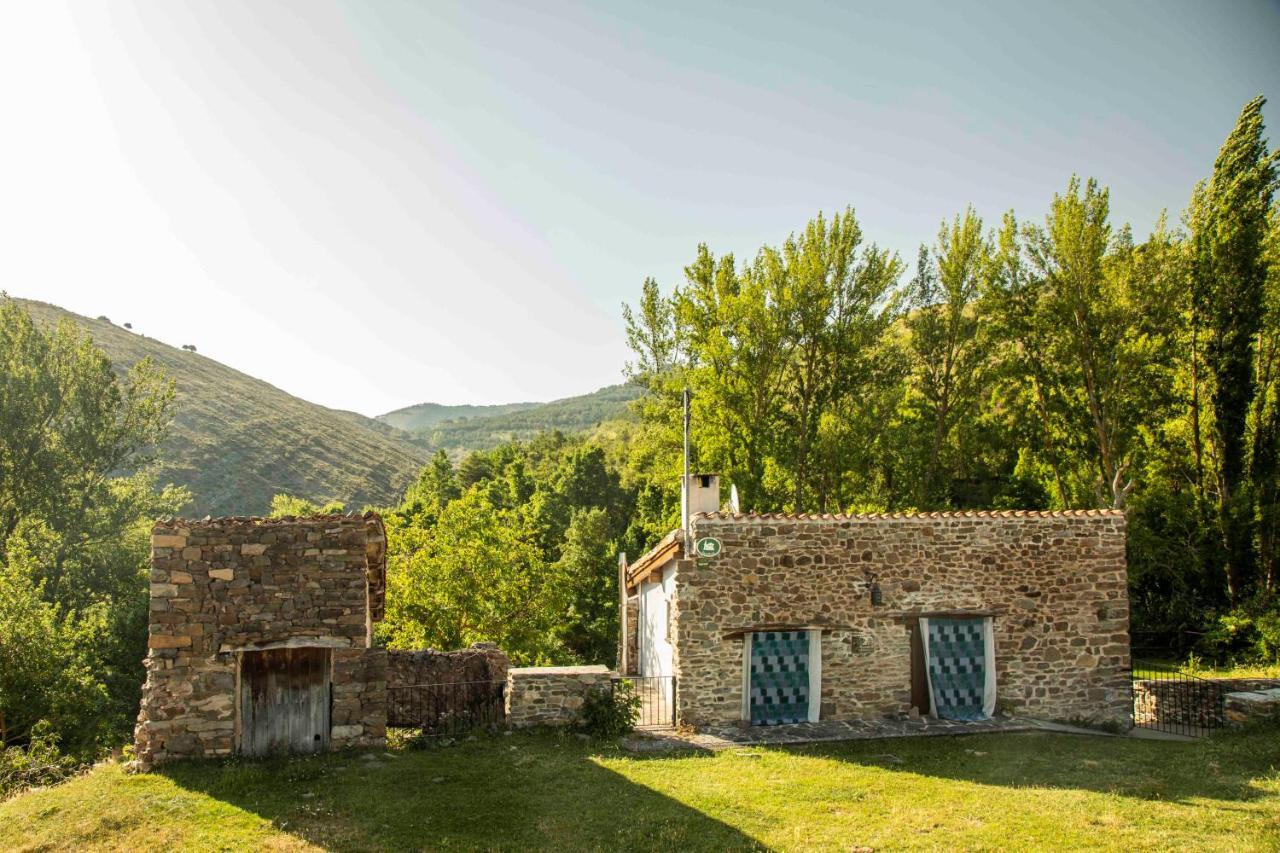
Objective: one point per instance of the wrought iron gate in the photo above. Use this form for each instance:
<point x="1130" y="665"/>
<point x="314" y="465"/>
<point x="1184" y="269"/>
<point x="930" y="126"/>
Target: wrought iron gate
<point x="447" y="708"/>
<point x="657" y="700"/>
<point x="1167" y="700"/>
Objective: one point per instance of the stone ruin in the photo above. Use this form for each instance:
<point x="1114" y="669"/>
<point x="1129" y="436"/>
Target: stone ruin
<point x="260" y="637"/>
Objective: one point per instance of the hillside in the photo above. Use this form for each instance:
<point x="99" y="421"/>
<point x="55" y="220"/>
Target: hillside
<point x="571" y="414"/>
<point x="423" y="416"/>
<point x="236" y="440"/>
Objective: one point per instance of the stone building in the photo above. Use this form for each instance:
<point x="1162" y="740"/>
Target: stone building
<point x="260" y="637"/>
<point x="771" y="618"/>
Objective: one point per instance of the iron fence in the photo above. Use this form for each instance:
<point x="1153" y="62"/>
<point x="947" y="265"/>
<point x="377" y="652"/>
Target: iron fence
<point x="1167" y="700"/>
<point x="657" y="695"/>
<point x="447" y="708"/>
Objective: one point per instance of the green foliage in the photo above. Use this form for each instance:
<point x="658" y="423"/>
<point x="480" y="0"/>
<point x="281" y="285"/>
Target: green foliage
<point x="1232" y="222"/>
<point x="1249" y="634"/>
<point x="236" y="441"/>
<point x="469" y="578"/>
<point x="459" y="430"/>
<point x="283" y="506"/>
<point x="610" y="712"/>
<point x="48" y="668"/>
<point x="38" y="764"/>
<point x="74" y="528"/>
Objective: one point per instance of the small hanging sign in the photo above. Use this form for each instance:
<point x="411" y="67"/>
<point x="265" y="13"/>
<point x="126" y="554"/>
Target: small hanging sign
<point x="708" y="546"/>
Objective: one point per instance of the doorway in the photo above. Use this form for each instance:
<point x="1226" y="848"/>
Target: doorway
<point x="783" y="677"/>
<point x="284" y="701"/>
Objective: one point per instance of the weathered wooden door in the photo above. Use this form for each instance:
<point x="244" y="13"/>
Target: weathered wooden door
<point x="284" y="701"/>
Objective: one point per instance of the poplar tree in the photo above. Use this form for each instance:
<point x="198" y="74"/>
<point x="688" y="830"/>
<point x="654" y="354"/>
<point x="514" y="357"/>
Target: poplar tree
<point x="1229" y="219"/>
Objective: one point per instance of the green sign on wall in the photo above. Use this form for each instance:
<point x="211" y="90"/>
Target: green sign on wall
<point x="708" y="546"/>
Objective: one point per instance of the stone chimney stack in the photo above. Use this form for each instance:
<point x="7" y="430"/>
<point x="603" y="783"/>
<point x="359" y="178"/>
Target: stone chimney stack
<point x="701" y="493"/>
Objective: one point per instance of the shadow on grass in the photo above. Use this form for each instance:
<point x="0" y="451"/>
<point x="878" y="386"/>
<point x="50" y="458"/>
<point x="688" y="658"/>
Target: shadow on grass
<point x="1226" y="767"/>
<point x="522" y="792"/>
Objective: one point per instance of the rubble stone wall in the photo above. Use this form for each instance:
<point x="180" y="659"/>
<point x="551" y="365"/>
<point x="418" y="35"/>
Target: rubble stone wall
<point x="551" y="695"/>
<point x="222" y="587"/>
<point x="1055" y="583"/>
<point x="483" y="663"/>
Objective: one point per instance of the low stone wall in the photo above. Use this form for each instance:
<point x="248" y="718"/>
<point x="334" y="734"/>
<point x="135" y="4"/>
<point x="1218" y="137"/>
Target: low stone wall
<point x="550" y="695"/>
<point x="480" y="664"/>
<point x="1255" y="703"/>
<point x="1199" y="703"/>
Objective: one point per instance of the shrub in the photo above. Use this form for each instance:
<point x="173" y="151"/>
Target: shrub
<point x="1248" y="634"/>
<point x="37" y="764"/>
<point x="610" y="713"/>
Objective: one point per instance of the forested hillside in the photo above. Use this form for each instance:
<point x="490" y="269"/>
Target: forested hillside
<point x="423" y="416"/>
<point x="236" y="440"/>
<point x="486" y="427"/>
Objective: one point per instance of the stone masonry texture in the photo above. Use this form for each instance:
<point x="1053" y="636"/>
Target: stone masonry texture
<point x="415" y="676"/>
<point x="1055" y="582"/>
<point x="551" y="695"/>
<point x="222" y="587"/>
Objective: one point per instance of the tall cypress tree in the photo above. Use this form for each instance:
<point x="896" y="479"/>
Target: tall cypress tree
<point x="1229" y="220"/>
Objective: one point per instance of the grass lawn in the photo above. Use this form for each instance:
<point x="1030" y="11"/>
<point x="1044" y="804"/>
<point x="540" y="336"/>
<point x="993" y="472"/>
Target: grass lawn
<point x="547" y="791"/>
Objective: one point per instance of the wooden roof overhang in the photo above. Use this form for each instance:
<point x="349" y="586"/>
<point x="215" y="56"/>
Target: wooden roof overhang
<point x="652" y="563"/>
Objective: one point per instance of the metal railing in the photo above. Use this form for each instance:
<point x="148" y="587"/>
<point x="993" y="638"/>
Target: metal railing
<point x="1167" y="700"/>
<point x="448" y="708"/>
<point x="657" y="695"/>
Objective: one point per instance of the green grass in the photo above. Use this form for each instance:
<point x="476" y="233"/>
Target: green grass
<point x="1202" y="669"/>
<point x="544" y="791"/>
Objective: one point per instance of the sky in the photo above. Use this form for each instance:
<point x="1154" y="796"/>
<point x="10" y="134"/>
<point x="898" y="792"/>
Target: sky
<point x="376" y="204"/>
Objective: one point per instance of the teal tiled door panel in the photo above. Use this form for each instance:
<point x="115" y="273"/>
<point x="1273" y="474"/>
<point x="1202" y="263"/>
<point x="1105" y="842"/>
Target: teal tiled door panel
<point x="779" y="677"/>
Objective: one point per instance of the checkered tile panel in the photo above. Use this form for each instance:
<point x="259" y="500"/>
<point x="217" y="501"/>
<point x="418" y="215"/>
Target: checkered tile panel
<point x="779" y="677"/>
<point x="957" y="667"/>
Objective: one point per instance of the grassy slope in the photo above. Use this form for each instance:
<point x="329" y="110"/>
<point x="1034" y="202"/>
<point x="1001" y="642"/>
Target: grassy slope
<point x="572" y="414"/>
<point x="237" y="440"/>
<point x="542" y="791"/>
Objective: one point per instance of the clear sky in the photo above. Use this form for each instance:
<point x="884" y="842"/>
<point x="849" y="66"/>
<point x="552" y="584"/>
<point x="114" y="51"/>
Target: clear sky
<point x="375" y="204"/>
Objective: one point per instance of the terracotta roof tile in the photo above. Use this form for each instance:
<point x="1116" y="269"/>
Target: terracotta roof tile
<point x="871" y="516"/>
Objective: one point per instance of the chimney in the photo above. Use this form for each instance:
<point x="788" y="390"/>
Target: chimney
<point x="701" y="493"/>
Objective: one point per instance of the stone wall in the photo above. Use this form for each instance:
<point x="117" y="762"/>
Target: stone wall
<point x="1196" y="703"/>
<point x="483" y="663"/>
<point x="1055" y="583"/>
<point x="1249" y="704"/>
<point x="550" y="695"/>
<point x="223" y="587"/>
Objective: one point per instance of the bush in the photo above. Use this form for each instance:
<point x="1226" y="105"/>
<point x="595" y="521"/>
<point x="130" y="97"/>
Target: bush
<point x="610" y="713"/>
<point x="35" y="765"/>
<point x="1248" y="634"/>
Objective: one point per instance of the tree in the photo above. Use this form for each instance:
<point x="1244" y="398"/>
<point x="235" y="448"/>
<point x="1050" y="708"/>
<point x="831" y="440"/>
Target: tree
<point x="283" y="506"/>
<point x="74" y="530"/>
<point x="1229" y="220"/>
<point x="472" y="577"/>
<point x="950" y="365"/>
<point x="838" y="305"/>
<point x="67" y="425"/>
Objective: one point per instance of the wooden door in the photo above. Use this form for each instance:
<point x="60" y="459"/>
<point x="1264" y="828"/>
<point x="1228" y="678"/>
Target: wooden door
<point x="284" y="701"/>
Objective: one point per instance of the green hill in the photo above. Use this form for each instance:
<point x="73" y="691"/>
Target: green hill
<point x="572" y="414"/>
<point x="236" y="440"/>
<point x="424" y="416"/>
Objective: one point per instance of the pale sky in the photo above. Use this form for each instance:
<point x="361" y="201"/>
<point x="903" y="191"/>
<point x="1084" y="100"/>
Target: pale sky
<point x="376" y="204"/>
